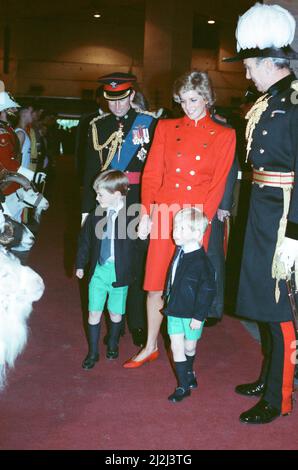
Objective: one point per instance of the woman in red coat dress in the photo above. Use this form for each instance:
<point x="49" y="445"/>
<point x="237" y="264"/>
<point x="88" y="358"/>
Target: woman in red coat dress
<point x="188" y="164"/>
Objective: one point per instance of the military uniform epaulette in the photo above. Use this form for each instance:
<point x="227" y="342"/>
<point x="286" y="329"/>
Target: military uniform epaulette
<point x="148" y="113"/>
<point x="100" y="116"/>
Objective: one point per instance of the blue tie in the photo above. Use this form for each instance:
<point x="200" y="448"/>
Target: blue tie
<point x="105" y="247"/>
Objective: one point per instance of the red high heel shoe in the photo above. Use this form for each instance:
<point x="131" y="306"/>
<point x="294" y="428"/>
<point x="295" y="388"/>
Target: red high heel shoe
<point x="131" y="364"/>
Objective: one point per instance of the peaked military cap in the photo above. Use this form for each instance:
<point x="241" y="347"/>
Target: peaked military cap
<point x="117" y="85"/>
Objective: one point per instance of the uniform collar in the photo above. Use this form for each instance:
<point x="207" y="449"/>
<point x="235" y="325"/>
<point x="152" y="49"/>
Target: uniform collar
<point x="281" y="85"/>
<point x="202" y="123"/>
<point x="127" y="117"/>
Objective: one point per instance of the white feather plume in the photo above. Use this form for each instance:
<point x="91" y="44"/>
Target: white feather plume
<point x="265" y="26"/>
<point x="19" y="287"/>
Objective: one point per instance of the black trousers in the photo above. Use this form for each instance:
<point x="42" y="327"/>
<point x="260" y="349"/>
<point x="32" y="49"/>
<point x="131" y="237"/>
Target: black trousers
<point x="216" y="255"/>
<point x="278" y="342"/>
<point x="136" y="299"/>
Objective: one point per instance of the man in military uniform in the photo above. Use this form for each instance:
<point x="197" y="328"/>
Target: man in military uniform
<point x="10" y="155"/>
<point x="271" y="241"/>
<point x="121" y="140"/>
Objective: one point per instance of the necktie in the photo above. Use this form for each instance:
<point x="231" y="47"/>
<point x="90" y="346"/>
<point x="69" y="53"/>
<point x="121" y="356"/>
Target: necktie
<point x="105" y="248"/>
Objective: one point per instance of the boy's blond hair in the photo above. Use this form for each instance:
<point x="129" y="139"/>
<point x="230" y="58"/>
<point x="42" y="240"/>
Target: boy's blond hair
<point x="194" y="217"/>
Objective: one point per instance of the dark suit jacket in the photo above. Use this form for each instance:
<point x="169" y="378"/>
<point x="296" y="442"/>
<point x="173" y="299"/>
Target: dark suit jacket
<point x="193" y="290"/>
<point x="89" y="247"/>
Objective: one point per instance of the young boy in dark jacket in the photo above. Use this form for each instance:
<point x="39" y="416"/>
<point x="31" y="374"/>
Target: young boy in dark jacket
<point x="107" y="246"/>
<point x="190" y="291"/>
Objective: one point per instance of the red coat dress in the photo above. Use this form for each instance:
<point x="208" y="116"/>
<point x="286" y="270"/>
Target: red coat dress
<point x="188" y="163"/>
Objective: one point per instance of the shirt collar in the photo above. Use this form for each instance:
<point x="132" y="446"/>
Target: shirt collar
<point x="116" y="209"/>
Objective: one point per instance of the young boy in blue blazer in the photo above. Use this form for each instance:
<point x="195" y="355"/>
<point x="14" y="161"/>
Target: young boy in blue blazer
<point x="108" y="248"/>
<point x="190" y="290"/>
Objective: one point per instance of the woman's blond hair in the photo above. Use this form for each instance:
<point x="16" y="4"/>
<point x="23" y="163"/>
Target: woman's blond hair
<point x="197" y="81"/>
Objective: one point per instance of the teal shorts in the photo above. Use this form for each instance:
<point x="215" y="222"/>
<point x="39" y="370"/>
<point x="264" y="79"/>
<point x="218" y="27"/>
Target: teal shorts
<point x="180" y="326"/>
<point x="100" y="287"/>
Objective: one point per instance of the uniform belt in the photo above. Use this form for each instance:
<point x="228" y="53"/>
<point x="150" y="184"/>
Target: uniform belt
<point x="274" y="179"/>
<point x="134" y="177"/>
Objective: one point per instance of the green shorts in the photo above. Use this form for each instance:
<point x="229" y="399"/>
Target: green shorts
<point x="180" y="326"/>
<point x="100" y="287"/>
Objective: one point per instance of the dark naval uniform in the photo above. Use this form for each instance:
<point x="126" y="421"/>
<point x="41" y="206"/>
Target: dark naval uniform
<point x="274" y="148"/>
<point x="137" y="132"/>
<point x="216" y="249"/>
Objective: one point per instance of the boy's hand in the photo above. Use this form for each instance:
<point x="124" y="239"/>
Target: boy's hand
<point x="195" y="324"/>
<point x="80" y="273"/>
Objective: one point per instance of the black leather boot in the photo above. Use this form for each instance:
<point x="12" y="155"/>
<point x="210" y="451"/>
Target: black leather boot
<point x="254" y="389"/>
<point x="113" y="341"/>
<point x="90" y="361"/>
<point x="261" y="413"/>
<point x="191" y="375"/>
<point x="93" y="339"/>
<point x="183" y="390"/>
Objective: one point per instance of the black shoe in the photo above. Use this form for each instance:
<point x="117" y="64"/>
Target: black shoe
<point x="112" y="353"/>
<point x="179" y="394"/>
<point x="90" y="361"/>
<point x="254" y="389"/>
<point x="192" y="381"/>
<point x="261" y="413"/>
<point x="138" y="337"/>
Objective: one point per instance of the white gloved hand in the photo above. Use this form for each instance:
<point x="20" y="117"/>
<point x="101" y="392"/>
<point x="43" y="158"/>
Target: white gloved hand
<point x="39" y="177"/>
<point x="84" y="217"/>
<point x="144" y="227"/>
<point x="288" y="252"/>
<point x="222" y="214"/>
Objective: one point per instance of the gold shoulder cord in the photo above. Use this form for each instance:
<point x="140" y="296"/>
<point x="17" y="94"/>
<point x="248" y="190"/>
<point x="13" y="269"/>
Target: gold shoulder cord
<point x="253" y="116"/>
<point x="115" y="140"/>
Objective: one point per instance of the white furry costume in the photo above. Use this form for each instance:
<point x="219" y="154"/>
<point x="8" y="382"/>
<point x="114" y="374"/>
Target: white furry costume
<point x="19" y="287"/>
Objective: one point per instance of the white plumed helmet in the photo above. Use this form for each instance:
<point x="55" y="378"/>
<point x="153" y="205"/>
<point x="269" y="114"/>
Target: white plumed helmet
<point x="265" y="31"/>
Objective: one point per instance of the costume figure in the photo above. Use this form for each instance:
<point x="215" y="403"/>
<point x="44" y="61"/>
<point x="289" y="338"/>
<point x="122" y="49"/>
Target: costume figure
<point x="19" y="287"/>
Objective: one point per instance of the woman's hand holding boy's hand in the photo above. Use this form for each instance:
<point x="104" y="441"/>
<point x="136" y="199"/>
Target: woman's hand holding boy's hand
<point x="80" y="273"/>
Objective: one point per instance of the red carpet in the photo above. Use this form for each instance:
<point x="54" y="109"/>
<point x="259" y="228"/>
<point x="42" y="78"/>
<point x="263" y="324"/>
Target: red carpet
<point x="52" y="403"/>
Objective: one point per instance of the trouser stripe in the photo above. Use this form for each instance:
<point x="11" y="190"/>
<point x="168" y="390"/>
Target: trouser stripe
<point x="289" y="336"/>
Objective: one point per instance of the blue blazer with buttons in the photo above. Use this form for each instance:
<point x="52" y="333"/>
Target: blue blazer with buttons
<point x="89" y="247"/>
<point x="193" y="289"/>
